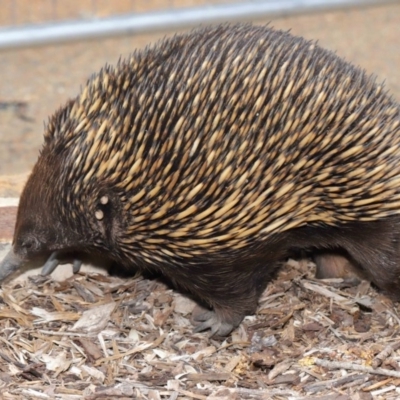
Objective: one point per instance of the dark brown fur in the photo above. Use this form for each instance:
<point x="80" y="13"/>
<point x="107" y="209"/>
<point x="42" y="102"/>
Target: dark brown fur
<point x="211" y="158"/>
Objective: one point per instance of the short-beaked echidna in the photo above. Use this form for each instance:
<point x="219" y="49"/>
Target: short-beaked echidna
<point x="211" y="157"/>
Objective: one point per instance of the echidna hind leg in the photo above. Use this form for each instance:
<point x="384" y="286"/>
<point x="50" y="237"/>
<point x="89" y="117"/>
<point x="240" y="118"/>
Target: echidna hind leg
<point x="334" y="265"/>
<point x="373" y="249"/>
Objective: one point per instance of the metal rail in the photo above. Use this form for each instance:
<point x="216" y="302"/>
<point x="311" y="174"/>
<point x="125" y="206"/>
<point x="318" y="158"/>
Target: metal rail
<point x="42" y="34"/>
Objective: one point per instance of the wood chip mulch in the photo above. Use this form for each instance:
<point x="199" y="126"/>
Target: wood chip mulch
<point x="98" y="337"/>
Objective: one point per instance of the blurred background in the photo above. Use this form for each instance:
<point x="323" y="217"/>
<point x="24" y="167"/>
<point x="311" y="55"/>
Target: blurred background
<point x="40" y="67"/>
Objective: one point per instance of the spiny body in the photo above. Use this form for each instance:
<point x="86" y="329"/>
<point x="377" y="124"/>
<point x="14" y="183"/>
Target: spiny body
<point x="213" y="155"/>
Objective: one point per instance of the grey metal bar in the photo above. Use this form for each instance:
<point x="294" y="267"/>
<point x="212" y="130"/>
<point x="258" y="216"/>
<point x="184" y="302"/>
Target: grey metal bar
<point x="166" y="20"/>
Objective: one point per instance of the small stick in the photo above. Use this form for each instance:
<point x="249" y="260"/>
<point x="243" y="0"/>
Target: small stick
<point x="335" y="383"/>
<point x="384" y="354"/>
<point x="355" y="367"/>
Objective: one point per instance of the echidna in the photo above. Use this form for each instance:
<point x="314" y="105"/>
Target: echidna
<point x="211" y="157"/>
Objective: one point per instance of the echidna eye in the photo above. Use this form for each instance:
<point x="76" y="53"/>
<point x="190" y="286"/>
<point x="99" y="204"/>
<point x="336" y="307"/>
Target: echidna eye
<point x="28" y="244"/>
<point x="98" y="241"/>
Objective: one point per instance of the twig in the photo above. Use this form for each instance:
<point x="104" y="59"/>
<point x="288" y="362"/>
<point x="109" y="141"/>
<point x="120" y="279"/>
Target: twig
<point x="355" y="367"/>
<point x="260" y="394"/>
<point x="334" y="383"/>
<point x="384" y="354"/>
<point x="138" y="349"/>
<point x="384" y="390"/>
<point x="323" y="291"/>
<point x="377" y="385"/>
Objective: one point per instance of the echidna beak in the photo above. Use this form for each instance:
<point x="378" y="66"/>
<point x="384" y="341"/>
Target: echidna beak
<point x="10" y="263"/>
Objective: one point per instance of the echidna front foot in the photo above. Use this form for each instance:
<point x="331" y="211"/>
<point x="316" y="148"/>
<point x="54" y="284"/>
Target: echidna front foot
<point x="220" y="322"/>
<point x="55" y="260"/>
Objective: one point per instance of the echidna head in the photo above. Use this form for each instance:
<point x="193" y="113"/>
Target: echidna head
<point x="50" y="222"/>
<point x="37" y="230"/>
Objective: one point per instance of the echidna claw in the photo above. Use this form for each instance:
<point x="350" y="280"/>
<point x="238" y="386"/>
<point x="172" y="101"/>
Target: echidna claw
<point x="54" y="261"/>
<point x="207" y="319"/>
<point x="76" y="266"/>
<point x="51" y="264"/>
<point x="216" y="326"/>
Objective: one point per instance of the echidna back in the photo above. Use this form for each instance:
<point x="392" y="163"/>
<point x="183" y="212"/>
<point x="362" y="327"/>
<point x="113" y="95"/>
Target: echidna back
<point x="243" y="128"/>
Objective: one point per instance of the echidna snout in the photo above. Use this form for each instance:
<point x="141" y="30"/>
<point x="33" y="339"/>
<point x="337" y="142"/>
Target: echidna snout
<point x="213" y="156"/>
